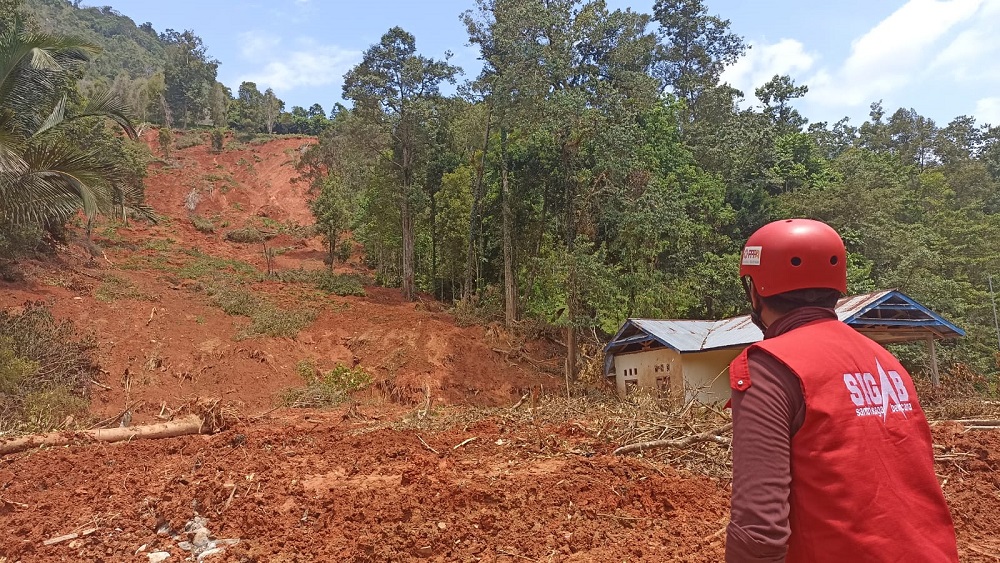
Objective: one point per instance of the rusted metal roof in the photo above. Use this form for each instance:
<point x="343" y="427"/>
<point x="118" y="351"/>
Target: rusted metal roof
<point x="885" y="316"/>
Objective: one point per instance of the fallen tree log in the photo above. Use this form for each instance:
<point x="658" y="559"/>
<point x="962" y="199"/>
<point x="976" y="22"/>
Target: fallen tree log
<point x="978" y="422"/>
<point x="712" y="435"/>
<point x="190" y="424"/>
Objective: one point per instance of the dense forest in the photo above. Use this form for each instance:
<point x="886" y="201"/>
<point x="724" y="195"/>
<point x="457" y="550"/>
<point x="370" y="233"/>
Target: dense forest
<point x="596" y="169"/>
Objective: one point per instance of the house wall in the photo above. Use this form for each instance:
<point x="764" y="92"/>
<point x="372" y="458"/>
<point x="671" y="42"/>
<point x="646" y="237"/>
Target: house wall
<point x="706" y="375"/>
<point x="652" y="370"/>
<point x="703" y="376"/>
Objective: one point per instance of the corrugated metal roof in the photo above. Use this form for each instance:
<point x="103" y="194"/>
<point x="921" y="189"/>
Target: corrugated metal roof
<point x="850" y="306"/>
<point x="738" y="332"/>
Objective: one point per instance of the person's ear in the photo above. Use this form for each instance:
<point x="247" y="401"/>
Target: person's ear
<point x="755" y="300"/>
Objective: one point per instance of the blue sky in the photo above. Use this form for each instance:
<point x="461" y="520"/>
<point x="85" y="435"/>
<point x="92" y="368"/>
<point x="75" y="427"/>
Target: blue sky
<point x="940" y="57"/>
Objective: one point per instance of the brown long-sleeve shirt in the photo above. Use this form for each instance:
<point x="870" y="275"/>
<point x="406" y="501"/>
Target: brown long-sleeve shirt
<point x="765" y="418"/>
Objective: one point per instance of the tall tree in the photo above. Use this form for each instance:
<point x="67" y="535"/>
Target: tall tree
<point x="189" y="75"/>
<point x="776" y="95"/>
<point x="271" y="108"/>
<point x="397" y="87"/>
<point x="245" y="112"/>
<point x="697" y="47"/>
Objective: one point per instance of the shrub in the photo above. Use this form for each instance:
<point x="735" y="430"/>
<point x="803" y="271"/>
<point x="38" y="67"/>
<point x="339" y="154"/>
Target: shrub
<point x="203" y="225"/>
<point x="344" y="250"/>
<point x="44" y="371"/>
<point x="245" y="235"/>
<point x="324" y="389"/>
<point x="218" y="139"/>
<point x="192" y="200"/>
<point x="341" y="284"/>
<point x="165" y="138"/>
<point x="189" y="139"/>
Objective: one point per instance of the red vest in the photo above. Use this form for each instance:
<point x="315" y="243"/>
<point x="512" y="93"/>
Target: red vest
<point x="863" y="484"/>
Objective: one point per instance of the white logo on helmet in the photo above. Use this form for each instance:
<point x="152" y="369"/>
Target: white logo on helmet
<point x="751" y="256"/>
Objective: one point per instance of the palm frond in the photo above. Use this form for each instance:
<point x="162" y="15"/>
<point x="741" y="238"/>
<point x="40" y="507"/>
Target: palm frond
<point x="55" y="118"/>
<point x="110" y="105"/>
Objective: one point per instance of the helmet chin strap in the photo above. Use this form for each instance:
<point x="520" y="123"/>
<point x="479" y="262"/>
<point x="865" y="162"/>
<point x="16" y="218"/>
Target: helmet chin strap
<point x="754" y="311"/>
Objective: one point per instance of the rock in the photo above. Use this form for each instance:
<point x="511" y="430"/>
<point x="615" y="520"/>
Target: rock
<point x="158" y="556"/>
<point x="200" y="538"/>
<point x="210" y="553"/>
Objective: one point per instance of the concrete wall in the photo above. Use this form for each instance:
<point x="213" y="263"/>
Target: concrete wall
<point x="698" y="375"/>
<point x="658" y="369"/>
<point x="706" y="375"/>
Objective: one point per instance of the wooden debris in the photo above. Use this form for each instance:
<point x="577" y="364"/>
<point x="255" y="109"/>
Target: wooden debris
<point x="464" y="442"/>
<point x="712" y="435"/>
<point x="190" y="424"/>
<point x="67" y="537"/>
<point x="426" y="445"/>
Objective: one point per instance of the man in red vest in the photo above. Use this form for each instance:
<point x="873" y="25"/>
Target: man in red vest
<point x="832" y="454"/>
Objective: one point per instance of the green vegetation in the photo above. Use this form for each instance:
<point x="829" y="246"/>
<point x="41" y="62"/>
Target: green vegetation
<point x="44" y="371"/>
<point x="114" y="287"/>
<point x="265" y="318"/>
<point x="341" y="284"/>
<point x="218" y="139"/>
<point x="324" y="389"/>
<point x="246" y="235"/>
<point x="597" y="169"/>
<point x="203" y="225"/>
<point x="189" y="139"/>
<point x="59" y="155"/>
<point x="569" y="191"/>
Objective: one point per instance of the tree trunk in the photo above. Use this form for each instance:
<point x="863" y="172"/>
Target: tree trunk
<point x="472" y="257"/>
<point x="406" y="216"/>
<point x="509" y="283"/>
<point x="569" y="192"/>
<point x="191" y="424"/>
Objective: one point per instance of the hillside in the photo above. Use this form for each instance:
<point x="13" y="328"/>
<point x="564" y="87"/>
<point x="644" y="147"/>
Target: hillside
<point x="145" y="292"/>
<point x="135" y="50"/>
<point x="438" y="459"/>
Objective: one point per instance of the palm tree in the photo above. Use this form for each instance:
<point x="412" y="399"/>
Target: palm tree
<point x="44" y="176"/>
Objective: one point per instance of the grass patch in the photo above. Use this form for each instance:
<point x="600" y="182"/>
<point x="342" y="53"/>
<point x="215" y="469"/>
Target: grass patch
<point x="203" y="225"/>
<point x="205" y="266"/>
<point x="44" y="371"/>
<point x="341" y="284"/>
<point x="189" y="139"/>
<point x="113" y="288"/>
<point x="298" y="275"/>
<point x="266" y="319"/>
<point x="246" y="235"/>
<point x="324" y="389"/>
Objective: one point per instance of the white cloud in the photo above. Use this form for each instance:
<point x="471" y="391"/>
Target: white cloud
<point x="988" y="110"/>
<point x="254" y="45"/>
<point x="310" y="64"/>
<point x="764" y="60"/>
<point x="974" y="54"/>
<point x="892" y="54"/>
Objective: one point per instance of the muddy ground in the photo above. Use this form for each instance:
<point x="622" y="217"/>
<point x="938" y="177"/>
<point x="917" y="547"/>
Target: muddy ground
<point x="428" y="464"/>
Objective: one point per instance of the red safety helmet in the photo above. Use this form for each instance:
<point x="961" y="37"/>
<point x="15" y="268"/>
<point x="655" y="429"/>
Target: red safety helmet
<point x="795" y="254"/>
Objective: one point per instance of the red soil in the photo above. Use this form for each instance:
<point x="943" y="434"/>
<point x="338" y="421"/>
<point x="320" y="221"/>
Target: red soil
<point x="361" y="482"/>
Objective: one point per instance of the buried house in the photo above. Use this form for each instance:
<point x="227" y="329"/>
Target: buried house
<point x="689" y="359"/>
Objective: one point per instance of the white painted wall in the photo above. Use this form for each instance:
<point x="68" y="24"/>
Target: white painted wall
<point x="652" y="369"/>
<point x="705" y="375"/>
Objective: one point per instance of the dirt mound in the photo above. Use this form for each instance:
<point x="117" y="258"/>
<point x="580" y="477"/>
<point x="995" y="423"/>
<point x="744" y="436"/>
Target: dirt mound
<point x="333" y="487"/>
